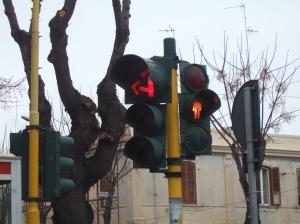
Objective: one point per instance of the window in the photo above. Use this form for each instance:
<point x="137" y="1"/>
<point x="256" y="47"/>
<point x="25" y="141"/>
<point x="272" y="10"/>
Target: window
<point x="298" y="183"/>
<point x="5" y="200"/>
<point x="189" y="191"/>
<point x="264" y="186"/>
<point x="269" y="186"/>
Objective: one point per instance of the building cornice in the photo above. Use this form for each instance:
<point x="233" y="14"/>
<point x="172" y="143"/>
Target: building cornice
<point x="275" y="152"/>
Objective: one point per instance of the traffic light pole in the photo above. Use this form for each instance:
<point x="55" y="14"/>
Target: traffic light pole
<point x="173" y="143"/>
<point x="250" y="155"/>
<point x="33" y="214"/>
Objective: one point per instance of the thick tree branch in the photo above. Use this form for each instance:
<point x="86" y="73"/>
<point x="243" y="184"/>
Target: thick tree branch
<point x="11" y="15"/>
<point x="59" y="58"/>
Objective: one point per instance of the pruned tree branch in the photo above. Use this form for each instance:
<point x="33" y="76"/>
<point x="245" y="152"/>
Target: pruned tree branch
<point x="59" y="58"/>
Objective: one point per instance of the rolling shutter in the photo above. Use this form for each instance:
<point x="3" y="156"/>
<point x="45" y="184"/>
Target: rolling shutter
<point x="189" y="191"/>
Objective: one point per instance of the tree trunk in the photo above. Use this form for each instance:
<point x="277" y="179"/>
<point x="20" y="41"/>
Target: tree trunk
<point x="109" y="203"/>
<point x="247" y="217"/>
<point x="71" y="208"/>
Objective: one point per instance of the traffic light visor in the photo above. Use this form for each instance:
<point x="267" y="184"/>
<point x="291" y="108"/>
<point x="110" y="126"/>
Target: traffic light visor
<point x="195" y="77"/>
<point x="147" y="152"/>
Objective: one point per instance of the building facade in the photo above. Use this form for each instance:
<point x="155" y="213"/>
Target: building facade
<point x="211" y="190"/>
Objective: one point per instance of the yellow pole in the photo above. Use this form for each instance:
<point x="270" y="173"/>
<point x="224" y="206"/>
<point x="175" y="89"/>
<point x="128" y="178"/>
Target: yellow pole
<point x="33" y="214"/>
<point x="174" y="161"/>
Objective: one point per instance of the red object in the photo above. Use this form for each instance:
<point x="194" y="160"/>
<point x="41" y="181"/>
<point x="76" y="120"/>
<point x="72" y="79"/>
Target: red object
<point x="5" y="168"/>
<point x="138" y="88"/>
<point x="149" y="89"/>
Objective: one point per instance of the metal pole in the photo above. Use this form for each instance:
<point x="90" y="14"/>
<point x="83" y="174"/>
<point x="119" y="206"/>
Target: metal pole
<point x="173" y="142"/>
<point x="33" y="213"/>
<point x="250" y="155"/>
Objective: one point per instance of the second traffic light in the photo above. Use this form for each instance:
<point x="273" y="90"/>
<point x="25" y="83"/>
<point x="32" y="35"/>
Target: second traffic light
<point x="196" y="104"/>
<point x="55" y="166"/>
<point x="51" y="161"/>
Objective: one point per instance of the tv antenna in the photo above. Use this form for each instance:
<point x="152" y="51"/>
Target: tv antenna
<point x="243" y="7"/>
<point x="168" y="30"/>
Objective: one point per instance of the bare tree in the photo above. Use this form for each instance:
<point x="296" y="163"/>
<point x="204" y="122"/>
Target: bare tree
<point x="116" y="173"/>
<point x="72" y="206"/>
<point x="10" y="89"/>
<point x="232" y="72"/>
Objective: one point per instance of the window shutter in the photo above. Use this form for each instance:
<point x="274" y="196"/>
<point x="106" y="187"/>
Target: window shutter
<point x="104" y="184"/>
<point x="275" y="186"/>
<point x="298" y="183"/>
<point x="189" y="192"/>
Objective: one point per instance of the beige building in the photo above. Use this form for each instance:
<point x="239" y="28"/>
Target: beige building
<point x="212" y="193"/>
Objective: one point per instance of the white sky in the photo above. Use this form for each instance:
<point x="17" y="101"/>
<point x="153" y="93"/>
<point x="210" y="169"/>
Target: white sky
<point x="91" y="35"/>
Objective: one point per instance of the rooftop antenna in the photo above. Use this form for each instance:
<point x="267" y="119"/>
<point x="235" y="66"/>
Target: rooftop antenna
<point x="168" y="30"/>
<point x="247" y="28"/>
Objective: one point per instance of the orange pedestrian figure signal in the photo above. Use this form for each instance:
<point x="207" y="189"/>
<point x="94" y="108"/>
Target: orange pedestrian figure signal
<point x="197" y="108"/>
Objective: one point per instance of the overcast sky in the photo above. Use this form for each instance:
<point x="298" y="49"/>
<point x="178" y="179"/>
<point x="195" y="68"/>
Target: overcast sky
<point x="91" y="35"/>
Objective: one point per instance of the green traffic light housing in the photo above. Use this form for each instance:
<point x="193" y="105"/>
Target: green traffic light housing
<point x="147" y="147"/>
<point x="19" y="146"/>
<point x="55" y="165"/>
<point x="144" y="80"/>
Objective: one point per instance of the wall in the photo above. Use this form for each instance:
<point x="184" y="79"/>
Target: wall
<point x="143" y="197"/>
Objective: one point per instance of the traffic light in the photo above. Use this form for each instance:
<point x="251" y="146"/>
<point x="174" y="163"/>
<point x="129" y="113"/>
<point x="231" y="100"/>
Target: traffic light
<point x="19" y="146"/>
<point x="147" y="85"/>
<point x="144" y="80"/>
<point x="196" y="104"/>
<point x="54" y="164"/>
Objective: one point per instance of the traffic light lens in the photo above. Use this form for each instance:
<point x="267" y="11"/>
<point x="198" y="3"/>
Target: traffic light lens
<point x="147" y="152"/>
<point x="197" y="108"/>
<point x="143" y="80"/>
<point x="144" y="85"/>
<point x="195" y="78"/>
<point x="198" y="140"/>
<point x="144" y="118"/>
